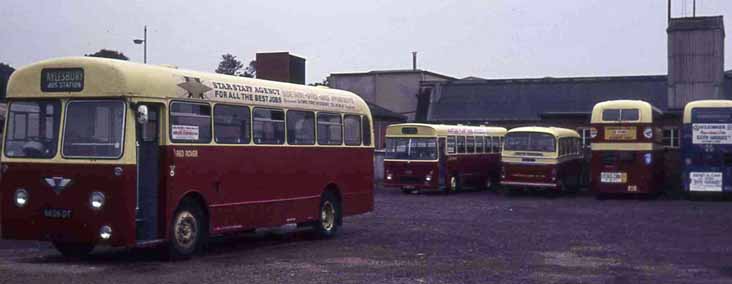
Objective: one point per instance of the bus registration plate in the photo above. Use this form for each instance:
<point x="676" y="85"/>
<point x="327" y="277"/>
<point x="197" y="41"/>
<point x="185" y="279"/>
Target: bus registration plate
<point x="705" y="181"/>
<point x="57" y="213"/>
<point x="609" y="177"/>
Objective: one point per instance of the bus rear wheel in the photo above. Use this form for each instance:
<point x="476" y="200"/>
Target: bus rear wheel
<point x="330" y="216"/>
<point x="187" y="233"/>
<point x="73" y="250"/>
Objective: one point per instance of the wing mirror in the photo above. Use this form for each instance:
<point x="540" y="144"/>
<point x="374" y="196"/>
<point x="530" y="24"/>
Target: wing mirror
<point x="142" y="114"/>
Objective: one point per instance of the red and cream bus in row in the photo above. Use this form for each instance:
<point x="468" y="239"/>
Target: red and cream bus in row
<point x="627" y="150"/>
<point x="442" y="157"/>
<point x="547" y="158"/>
<point x="108" y="152"/>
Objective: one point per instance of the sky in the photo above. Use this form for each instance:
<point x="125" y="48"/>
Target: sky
<point x="488" y="39"/>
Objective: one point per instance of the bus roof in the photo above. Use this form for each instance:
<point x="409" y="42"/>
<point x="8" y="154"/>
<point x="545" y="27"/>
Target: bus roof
<point x="554" y="131"/>
<point x="646" y="110"/>
<point x="101" y="77"/>
<point x="704" y="104"/>
<point x="423" y="129"/>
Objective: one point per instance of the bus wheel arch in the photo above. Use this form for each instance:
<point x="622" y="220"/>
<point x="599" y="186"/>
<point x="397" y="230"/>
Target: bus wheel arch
<point x="330" y="212"/>
<point x="189" y="226"/>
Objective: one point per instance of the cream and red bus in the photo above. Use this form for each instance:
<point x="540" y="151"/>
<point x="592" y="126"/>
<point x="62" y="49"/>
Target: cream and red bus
<point x="627" y="151"/>
<point x="108" y="152"/>
<point x="442" y="157"/>
<point x="548" y="158"/>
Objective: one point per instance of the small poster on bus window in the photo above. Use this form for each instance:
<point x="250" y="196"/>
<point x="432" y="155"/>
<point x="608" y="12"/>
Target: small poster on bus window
<point x="185" y="132"/>
<point x="711" y="133"/>
<point x="705" y="181"/>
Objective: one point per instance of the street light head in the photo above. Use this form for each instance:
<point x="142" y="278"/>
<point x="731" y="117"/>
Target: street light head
<point x="138" y="41"/>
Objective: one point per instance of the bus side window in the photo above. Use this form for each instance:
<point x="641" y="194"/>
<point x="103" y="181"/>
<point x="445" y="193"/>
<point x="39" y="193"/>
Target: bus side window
<point x="352" y="130"/>
<point x="190" y="122"/>
<point x="450" y="145"/>
<point x="366" y="131"/>
<point x="300" y="127"/>
<point x="330" y="129"/>
<point x="479" y="142"/>
<point x="461" y="144"/>
<point x="269" y="126"/>
<point x="470" y="144"/>
<point x="231" y="124"/>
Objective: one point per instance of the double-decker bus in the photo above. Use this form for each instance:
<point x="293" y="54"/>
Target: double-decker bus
<point x="442" y="157"/>
<point x="108" y="152"/>
<point x="627" y="153"/>
<point x="706" y="146"/>
<point x="543" y="158"/>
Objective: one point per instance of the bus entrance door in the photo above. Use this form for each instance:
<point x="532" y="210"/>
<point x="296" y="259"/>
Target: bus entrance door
<point x="148" y="169"/>
<point x="442" y="165"/>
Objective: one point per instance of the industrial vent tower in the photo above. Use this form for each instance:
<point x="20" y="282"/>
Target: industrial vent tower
<point x="695" y="60"/>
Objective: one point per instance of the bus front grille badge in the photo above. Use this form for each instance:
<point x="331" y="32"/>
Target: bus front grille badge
<point x="58" y="184"/>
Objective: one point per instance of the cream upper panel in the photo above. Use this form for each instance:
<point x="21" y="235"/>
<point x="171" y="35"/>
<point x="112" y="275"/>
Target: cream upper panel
<point x="645" y="110"/>
<point x="114" y="78"/>
<point x="423" y="129"/>
<point x="704" y="104"/>
<point x="554" y="131"/>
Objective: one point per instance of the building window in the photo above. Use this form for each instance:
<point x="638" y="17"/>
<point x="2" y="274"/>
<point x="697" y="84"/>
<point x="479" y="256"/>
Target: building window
<point x="671" y="137"/>
<point x="586" y="138"/>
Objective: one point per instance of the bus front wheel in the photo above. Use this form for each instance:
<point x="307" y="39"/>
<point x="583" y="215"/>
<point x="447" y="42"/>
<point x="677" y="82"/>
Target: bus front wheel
<point x="330" y="216"/>
<point x="187" y="233"/>
<point x="73" y="250"/>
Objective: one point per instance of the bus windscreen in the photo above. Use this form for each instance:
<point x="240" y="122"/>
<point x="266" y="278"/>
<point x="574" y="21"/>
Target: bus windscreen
<point x="32" y="129"/>
<point x="538" y="142"/>
<point x="411" y="148"/>
<point x="94" y="129"/>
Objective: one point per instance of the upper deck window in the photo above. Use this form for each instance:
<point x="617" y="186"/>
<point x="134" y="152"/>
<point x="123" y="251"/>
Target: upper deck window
<point x="711" y="115"/>
<point x="32" y="129"/>
<point x="530" y="141"/>
<point x="94" y="129"/>
<point x="190" y="122"/>
<point x="626" y="114"/>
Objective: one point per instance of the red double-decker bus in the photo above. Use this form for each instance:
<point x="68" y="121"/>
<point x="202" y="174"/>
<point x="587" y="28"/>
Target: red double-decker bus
<point x="442" y="157"/>
<point x="627" y="150"/>
<point x="548" y="158"/>
<point x="108" y="152"/>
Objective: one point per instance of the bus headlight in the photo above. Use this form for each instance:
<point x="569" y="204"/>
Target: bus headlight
<point x="96" y="200"/>
<point x="388" y="176"/>
<point x="105" y="232"/>
<point x="21" y="197"/>
<point x="648" y="158"/>
<point x="648" y="132"/>
<point x="428" y="178"/>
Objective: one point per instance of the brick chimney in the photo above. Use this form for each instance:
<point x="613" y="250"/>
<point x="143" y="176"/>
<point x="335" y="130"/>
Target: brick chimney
<point x="281" y="66"/>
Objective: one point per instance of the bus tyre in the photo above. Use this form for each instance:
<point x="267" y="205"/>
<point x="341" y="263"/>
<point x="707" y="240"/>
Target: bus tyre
<point x="187" y="233"/>
<point x="330" y="216"/>
<point x="455" y="184"/>
<point x="73" y="250"/>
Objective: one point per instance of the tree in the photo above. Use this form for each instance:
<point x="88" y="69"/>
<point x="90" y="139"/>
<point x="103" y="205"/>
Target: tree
<point x="323" y="83"/>
<point x="229" y="65"/>
<point x="5" y="71"/>
<point x="251" y="70"/>
<point x="108" y="53"/>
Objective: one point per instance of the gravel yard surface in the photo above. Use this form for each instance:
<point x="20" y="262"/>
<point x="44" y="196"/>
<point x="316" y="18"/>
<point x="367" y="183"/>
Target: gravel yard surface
<point x="470" y="237"/>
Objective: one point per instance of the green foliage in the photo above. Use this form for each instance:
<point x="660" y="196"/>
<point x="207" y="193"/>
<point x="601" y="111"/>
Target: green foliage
<point x="108" y="53"/>
<point x="5" y="72"/>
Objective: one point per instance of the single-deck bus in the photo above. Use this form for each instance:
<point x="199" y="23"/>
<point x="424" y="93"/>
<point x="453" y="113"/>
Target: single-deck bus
<point x="544" y="158"/>
<point x="108" y="152"/>
<point x="627" y="153"/>
<point x="442" y="157"/>
<point x="706" y="146"/>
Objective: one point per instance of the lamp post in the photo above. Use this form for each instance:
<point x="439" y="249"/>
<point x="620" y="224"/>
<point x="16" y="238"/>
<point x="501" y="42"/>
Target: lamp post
<point x="144" y="45"/>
